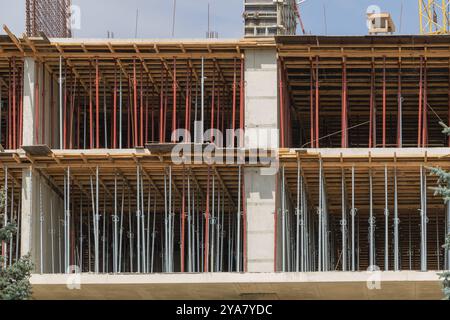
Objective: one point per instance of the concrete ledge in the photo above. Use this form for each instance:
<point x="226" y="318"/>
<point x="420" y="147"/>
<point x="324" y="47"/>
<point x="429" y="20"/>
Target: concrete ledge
<point x="218" y="286"/>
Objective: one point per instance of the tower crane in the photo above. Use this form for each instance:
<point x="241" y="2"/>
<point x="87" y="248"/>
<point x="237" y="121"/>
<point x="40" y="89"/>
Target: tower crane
<point x="434" y="16"/>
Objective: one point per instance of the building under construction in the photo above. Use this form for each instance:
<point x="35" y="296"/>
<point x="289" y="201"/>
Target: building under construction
<point x="291" y="167"/>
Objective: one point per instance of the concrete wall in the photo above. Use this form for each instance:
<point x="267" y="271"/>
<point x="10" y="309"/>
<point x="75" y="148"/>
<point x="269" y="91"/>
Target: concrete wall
<point x="261" y="124"/>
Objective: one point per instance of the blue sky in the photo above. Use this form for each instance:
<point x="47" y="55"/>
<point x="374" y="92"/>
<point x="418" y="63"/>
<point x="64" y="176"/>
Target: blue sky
<point x="332" y="17"/>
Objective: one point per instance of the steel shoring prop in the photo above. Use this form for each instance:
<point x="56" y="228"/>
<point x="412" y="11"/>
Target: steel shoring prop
<point x="438" y="249"/>
<point x="81" y="233"/>
<point x="122" y="203"/>
<point x="166" y="224"/>
<point x="386" y="221"/>
<point x="222" y="234"/>
<point x="67" y="221"/>
<point x="425" y="106"/>
<point x="183" y="225"/>
<point x="396" y="224"/>
<point x="189" y="221"/>
<point x="447" y="252"/>
<point x="148" y="234"/>
<point x="41" y="229"/>
<point x="5" y="218"/>
<point x="320" y="227"/>
<point x="138" y="219"/>
<point x="142" y="223"/>
<point x="419" y="138"/>
<point x="11" y="239"/>
<point x="213" y="222"/>
<point x="52" y="234"/>
<point x="371" y="224"/>
<point x="115" y="234"/>
<point x="194" y="232"/>
<point x="299" y="237"/>
<point x="353" y="214"/>
<point x="423" y="220"/>
<point x="372" y="126"/>
<point x="283" y="220"/>
<point x="306" y="229"/>
<point x="94" y="200"/>
<point x="103" y="237"/>
<point x="60" y="104"/>
<point x="171" y="219"/>
<point x="130" y="234"/>
<point x="218" y="224"/>
<point x="153" y="236"/>
<point x="400" y="108"/>
<point x="384" y="102"/>
<point x="344" y="222"/>
<point x="344" y="117"/>
<point x="238" y="225"/>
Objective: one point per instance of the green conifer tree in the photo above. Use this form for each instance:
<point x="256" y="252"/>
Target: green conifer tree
<point x="14" y="277"/>
<point x="443" y="190"/>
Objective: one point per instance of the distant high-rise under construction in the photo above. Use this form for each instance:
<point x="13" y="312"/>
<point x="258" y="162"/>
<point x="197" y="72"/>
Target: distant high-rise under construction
<point x="48" y="16"/>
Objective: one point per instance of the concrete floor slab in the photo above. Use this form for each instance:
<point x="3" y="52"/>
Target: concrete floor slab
<point x="231" y="286"/>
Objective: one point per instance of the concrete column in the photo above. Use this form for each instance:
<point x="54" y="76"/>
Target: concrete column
<point x="261" y="125"/>
<point x="29" y="101"/>
<point x="48" y="105"/>
<point x="41" y="206"/>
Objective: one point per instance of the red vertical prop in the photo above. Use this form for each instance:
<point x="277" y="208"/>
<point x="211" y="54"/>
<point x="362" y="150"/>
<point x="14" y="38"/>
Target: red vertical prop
<point x="384" y="102"/>
<point x="186" y="115"/>
<point x="371" y="106"/>
<point x="97" y="104"/>
<point x="115" y="109"/>
<point x="242" y="109"/>
<point x="91" y="115"/>
<point x="174" y="90"/>
<point x="419" y="138"/>
<point x="14" y="104"/>
<point x="161" y="107"/>
<point x="344" y="140"/>
<point x="43" y="113"/>
<point x="233" y="120"/>
<point x="317" y="103"/>
<point x="425" y="107"/>
<point x="135" y="107"/>
<point x="399" y="106"/>
<point x="141" y="141"/>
